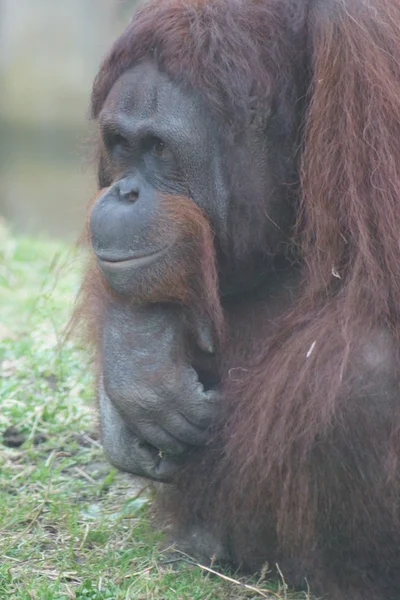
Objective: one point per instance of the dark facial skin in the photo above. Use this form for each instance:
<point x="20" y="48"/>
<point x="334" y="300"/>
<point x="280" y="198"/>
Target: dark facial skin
<point x="157" y="140"/>
<point x="160" y="140"/>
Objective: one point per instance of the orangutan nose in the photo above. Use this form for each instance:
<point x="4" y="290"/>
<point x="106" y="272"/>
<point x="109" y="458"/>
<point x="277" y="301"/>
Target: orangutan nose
<point x="129" y="189"/>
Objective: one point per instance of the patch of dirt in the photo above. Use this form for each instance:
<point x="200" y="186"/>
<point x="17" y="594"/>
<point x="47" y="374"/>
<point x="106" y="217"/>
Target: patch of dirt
<point x="12" y="438"/>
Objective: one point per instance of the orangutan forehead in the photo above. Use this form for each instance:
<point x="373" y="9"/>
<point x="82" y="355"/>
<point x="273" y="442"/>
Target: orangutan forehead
<point x="149" y="94"/>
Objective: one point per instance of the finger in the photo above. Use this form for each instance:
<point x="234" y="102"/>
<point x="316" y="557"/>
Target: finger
<point x="204" y="334"/>
<point x="202" y="409"/>
<point x="184" y="431"/>
<point x="166" y="468"/>
<point x="160" y="438"/>
<point x="147" y="461"/>
<point x="125" y="449"/>
<point x="154" y="465"/>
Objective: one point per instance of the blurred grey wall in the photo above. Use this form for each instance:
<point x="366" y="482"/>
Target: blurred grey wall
<point x="49" y="54"/>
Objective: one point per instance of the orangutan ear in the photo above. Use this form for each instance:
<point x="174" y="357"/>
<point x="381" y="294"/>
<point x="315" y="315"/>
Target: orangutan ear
<point x="350" y="165"/>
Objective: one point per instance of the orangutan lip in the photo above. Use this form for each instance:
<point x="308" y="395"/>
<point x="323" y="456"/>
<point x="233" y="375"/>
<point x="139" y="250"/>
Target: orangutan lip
<point x="134" y="261"/>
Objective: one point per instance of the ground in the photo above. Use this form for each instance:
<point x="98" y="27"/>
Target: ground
<point x="71" y="527"/>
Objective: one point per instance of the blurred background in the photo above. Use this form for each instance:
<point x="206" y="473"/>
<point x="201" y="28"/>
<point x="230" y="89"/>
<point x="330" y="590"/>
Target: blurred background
<point x="50" y="51"/>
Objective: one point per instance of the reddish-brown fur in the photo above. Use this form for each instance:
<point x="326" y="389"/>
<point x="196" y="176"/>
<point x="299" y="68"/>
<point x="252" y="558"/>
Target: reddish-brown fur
<point x="303" y="473"/>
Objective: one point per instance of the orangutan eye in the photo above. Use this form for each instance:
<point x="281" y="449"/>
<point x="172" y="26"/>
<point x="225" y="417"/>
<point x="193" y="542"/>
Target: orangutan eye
<point x="117" y="143"/>
<point x="160" y="150"/>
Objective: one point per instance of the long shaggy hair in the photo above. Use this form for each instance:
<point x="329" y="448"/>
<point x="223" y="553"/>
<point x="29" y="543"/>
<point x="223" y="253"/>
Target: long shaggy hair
<point x="301" y="465"/>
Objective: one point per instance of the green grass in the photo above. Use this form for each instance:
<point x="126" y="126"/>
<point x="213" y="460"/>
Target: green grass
<point x="71" y="527"/>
